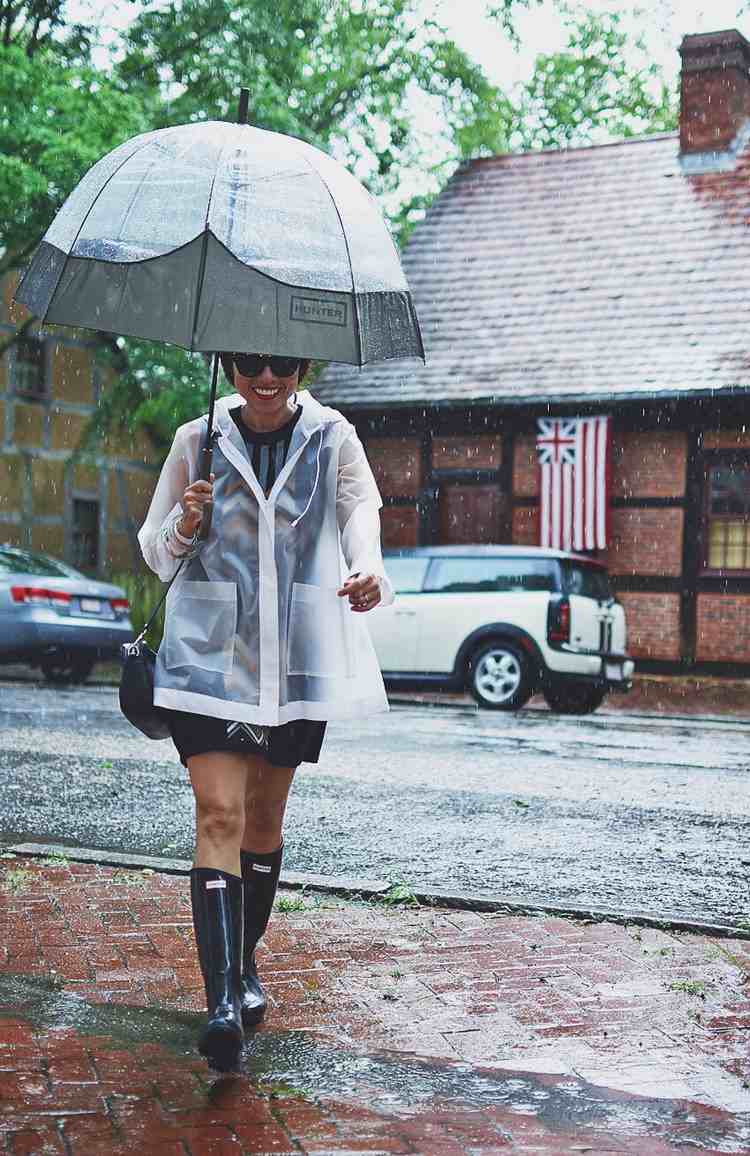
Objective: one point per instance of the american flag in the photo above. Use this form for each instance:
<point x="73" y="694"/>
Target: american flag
<point x="573" y="458"/>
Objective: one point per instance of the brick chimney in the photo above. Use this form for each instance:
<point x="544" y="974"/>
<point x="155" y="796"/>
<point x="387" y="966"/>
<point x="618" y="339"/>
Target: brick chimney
<point x="715" y="91"/>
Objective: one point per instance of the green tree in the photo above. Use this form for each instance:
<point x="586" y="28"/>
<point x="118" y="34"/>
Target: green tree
<point x="339" y="75"/>
<point x="37" y="24"/>
<point x="345" y="75"/>
<point x="603" y="85"/>
<point x="56" y="120"/>
<point x="58" y="115"/>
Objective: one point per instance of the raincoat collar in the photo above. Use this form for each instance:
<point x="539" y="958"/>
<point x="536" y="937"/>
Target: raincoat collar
<point x="314" y="417"/>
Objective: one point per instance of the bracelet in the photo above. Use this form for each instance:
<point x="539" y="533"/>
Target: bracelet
<point x="181" y="537"/>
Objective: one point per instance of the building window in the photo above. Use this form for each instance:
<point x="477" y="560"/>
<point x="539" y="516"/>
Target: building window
<point x="27" y="361"/>
<point x="85" y="534"/>
<point x="727" y="531"/>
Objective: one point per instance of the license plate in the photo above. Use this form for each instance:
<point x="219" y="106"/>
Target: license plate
<point x="91" y="605"/>
<point x="613" y="671"/>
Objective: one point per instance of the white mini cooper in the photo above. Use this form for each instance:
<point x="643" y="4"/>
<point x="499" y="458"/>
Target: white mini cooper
<point x="506" y="621"/>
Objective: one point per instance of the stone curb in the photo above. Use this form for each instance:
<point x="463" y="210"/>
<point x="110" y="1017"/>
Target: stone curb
<point x="351" y="887"/>
<point x="637" y="716"/>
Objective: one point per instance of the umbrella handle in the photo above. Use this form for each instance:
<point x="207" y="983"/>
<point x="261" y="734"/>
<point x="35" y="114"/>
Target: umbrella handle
<point x="207" y="454"/>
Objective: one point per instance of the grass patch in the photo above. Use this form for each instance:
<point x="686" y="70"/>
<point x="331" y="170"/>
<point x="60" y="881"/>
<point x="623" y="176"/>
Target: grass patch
<point x="719" y="952"/>
<point x="291" y="903"/>
<point x="278" y="1090"/>
<point x="399" y="894"/>
<point x="134" y="877"/>
<point x="696" y="987"/>
<point x="15" y="879"/>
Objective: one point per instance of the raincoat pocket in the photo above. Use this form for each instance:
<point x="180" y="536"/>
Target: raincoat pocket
<point x="320" y="638"/>
<point x="201" y="625"/>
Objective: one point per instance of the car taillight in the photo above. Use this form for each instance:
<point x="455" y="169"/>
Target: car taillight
<point x="120" y="605"/>
<point x="558" y="622"/>
<point x="40" y="596"/>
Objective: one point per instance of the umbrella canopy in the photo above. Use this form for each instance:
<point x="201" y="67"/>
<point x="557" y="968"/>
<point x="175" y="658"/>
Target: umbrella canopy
<point x="219" y="236"/>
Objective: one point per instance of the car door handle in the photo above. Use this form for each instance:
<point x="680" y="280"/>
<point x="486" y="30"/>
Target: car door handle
<point x="407" y="613"/>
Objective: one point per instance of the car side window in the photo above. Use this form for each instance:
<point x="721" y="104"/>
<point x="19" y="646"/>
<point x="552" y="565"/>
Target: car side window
<point x="490" y="575"/>
<point x="407" y="574"/>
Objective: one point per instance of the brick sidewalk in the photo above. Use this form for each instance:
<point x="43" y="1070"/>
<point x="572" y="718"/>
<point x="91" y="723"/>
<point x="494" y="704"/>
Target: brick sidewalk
<point x="391" y="1030"/>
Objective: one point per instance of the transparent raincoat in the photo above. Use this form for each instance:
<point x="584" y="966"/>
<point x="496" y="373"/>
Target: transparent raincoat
<point x="255" y="631"/>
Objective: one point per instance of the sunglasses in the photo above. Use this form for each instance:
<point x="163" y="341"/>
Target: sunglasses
<point x="252" y="364"/>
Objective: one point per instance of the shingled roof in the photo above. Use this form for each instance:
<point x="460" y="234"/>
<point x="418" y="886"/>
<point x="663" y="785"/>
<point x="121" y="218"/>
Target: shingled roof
<point x="594" y="273"/>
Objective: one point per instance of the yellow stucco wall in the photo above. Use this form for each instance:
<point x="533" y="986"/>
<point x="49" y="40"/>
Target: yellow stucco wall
<point x="39" y="480"/>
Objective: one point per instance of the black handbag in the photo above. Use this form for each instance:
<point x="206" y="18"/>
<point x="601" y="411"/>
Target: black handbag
<point x="137" y="680"/>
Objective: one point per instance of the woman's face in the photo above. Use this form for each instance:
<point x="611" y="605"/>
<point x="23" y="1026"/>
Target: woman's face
<point x="265" y="394"/>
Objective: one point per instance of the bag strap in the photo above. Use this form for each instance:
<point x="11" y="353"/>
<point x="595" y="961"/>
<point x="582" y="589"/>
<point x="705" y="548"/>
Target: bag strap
<point x="158" y="606"/>
<point x="206" y="453"/>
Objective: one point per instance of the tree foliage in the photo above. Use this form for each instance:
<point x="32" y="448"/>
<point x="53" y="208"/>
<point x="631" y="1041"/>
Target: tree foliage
<point x="56" y="119"/>
<point x="601" y="86"/>
<point x="346" y="75"/>
<point x="37" y="24"/>
<point x="340" y="75"/>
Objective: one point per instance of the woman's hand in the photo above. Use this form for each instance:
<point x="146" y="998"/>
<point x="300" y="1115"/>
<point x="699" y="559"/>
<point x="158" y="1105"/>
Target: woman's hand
<point x="193" y="501"/>
<point x="363" y="592"/>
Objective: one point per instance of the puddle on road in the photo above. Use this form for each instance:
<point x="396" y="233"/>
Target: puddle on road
<point x="393" y="1084"/>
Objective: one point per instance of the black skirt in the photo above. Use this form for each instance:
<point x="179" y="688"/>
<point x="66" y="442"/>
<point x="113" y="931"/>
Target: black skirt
<point x="287" y="745"/>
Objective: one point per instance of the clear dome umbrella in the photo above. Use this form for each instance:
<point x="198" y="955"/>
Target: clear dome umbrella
<point x="220" y="236"/>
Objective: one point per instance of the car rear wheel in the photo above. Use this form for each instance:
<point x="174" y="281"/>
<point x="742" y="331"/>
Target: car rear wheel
<point x="61" y="668"/>
<point x="499" y="677"/>
<point x="575" y="698"/>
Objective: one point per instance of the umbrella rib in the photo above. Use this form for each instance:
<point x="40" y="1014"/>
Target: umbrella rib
<point x="111" y="177"/>
<point x="134" y="197"/>
<point x="87" y="214"/>
<point x="355" y="310"/>
<point x="204" y="249"/>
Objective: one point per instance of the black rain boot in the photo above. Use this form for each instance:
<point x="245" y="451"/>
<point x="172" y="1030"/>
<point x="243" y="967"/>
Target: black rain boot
<point x="217" y="918"/>
<point x="260" y="878"/>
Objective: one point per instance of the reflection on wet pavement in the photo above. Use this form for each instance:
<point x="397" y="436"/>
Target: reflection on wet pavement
<point x="526" y="808"/>
<point x="390" y="1029"/>
<point x="295" y="1065"/>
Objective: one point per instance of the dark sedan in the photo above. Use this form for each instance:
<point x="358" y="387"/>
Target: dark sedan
<point x="54" y="617"/>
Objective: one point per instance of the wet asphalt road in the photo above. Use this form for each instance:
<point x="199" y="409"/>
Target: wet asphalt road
<point x="625" y="812"/>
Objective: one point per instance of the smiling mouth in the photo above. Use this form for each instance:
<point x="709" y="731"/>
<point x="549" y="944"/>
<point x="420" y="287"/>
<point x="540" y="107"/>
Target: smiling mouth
<point x="266" y="392"/>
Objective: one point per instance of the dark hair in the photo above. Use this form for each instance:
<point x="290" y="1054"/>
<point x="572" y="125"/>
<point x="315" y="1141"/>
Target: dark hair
<point x="227" y="364"/>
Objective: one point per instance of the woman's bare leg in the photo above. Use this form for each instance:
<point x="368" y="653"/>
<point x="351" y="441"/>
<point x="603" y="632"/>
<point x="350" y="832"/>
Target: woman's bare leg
<point x="219" y="785"/>
<point x="266" y="794"/>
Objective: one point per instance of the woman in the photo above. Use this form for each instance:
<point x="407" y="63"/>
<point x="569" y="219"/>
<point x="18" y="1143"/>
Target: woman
<point x="262" y="644"/>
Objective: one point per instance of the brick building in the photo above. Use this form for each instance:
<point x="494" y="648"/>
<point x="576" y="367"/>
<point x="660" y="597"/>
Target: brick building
<point x="86" y="513"/>
<point x="612" y="279"/>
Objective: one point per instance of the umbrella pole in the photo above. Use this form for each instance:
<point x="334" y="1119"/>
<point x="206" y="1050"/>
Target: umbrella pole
<point x="207" y="453"/>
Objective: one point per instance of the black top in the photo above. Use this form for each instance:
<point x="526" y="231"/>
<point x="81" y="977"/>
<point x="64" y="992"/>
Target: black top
<point x="268" y="451"/>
